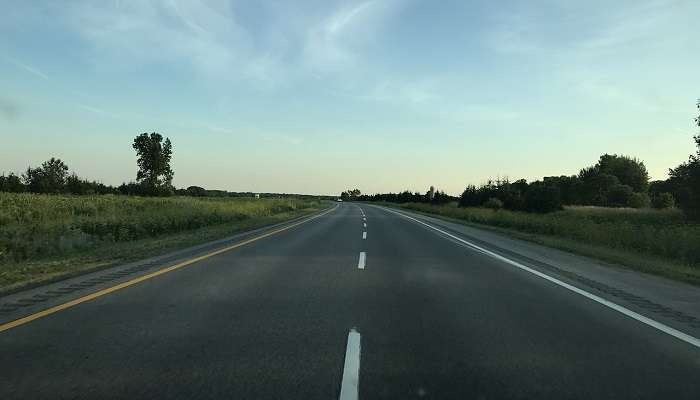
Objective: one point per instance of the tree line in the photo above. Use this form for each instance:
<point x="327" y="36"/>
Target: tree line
<point x="154" y="177"/>
<point x="438" y="197"/>
<point x="614" y="181"/>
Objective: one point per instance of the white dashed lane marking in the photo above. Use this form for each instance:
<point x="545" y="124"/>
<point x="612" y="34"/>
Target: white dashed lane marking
<point x="351" y="370"/>
<point x="362" y="260"/>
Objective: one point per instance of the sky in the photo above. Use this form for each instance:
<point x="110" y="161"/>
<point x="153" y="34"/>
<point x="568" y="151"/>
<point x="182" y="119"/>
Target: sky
<point x="321" y="96"/>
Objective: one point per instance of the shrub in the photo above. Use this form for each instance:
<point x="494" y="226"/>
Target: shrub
<point x="639" y="200"/>
<point x="470" y="197"/>
<point x="662" y="201"/>
<point x="620" y="196"/>
<point x="542" y="198"/>
<point x="196" y="191"/>
<point x="11" y="183"/>
<point x="493" y="203"/>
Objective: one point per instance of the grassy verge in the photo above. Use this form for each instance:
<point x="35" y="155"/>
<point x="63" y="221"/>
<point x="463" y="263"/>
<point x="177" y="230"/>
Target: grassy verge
<point x="652" y="241"/>
<point x="43" y="238"/>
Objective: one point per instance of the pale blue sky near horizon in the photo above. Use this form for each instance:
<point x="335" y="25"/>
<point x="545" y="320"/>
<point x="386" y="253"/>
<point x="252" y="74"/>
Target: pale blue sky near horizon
<point x="321" y="96"/>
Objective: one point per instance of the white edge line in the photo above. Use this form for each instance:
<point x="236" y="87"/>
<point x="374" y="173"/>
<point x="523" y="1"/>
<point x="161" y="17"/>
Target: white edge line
<point x="350" y="384"/>
<point x="361" y="261"/>
<point x="364" y="235"/>
<point x="364" y="225"/>
<point x="645" y="320"/>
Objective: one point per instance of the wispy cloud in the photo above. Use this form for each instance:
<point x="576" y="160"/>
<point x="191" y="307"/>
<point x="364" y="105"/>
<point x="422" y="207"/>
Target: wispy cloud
<point x="93" y="110"/>
<point x="217" y="42"/>
<point x="28" y="68"/>
<point x="334" y="42"/>
<point x="644" y="22"/>
<point x="204" y="36"/>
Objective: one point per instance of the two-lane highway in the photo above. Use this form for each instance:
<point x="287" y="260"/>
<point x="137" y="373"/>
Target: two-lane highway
<point x="359" y="302"/>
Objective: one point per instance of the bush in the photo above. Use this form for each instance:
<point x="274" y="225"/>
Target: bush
<point x="662" y="201"/>
<point x="620" y="196"/>
<point x="639" y="200"/>
<point x="493" y="203"/>
<point x="542" y="198"/>
<point x="196" y="191"/>
<point x="11" y="183"/>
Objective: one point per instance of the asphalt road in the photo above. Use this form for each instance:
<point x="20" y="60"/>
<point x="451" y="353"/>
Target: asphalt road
<point x="270" y="320"/>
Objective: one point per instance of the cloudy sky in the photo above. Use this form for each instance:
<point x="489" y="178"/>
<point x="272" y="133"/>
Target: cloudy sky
<point x="319" y="96"/>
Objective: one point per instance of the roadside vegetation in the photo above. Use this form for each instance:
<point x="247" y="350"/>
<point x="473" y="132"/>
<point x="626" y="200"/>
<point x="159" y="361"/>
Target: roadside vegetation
<point x="616" y="181"/>
<point x="39" y="234"/>
<point x="655" y="241"/>
<point x="610" y="210"/>
<point x="54" y="223"/>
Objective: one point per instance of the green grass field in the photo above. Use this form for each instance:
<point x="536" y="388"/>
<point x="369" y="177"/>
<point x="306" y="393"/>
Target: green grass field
<point x="655" y="241"/>
<point x="45" y="236"/>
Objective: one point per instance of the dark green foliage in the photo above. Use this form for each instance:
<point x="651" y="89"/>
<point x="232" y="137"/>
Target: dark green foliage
<point x="440" y="197"/>
<point x="11" y="183"/>
<point x="596" y="188"/>
<point x="570" y="188"/>
<point x="612" y="181"/>
<point x="619" y="195"/>
<point x="662" y="201"/>
<point x="629" y="171"/>
<point x="196" y="191"/>
<point x="493" y="204"/>
<point x="658" y="187"/>
<point x="639" y="200"/>
<point x="352" y="194"/>
<point x="154" y="174"/>
<point x="52" y="178"/>
<point x="684" y="181"/>
<point x="508" y="194"/>
<point x="407" y="196"/>
<point x="75" y="185"/>
<point x="130" y="189"/>
<point x="542" y="198"/>
<point x="470" y="197"/>
<point x="49" y="178"/>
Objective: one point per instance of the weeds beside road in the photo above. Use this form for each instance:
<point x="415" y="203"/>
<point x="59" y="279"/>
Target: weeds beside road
<point x="45" y="236"/>
<point x="655" y="241"/>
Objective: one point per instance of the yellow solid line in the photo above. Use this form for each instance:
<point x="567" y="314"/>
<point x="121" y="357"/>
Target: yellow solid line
<point x="103" y="292"/>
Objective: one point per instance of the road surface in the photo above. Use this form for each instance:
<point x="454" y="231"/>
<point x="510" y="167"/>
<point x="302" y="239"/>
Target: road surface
<point x="359" y="302"/>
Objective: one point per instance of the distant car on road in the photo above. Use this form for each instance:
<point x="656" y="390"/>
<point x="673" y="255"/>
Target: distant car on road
<point x="339" y="200"/>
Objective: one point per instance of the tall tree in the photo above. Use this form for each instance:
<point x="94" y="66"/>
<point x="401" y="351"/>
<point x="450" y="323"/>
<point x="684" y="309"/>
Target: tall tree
<point x="685" y="178"/>
<point x="11" y="183"/>
<point x="630" y="171"/>
<point x="50" y="177"/>
<point x="598" y="180"/>
<point x="155" y="174"/>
